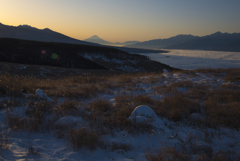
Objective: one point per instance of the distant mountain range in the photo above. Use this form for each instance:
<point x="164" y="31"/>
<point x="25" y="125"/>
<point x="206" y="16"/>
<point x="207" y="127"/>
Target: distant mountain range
<point x="98" y="40"/>
<point x="27" y="32"/>
<point x="217" y="41"/>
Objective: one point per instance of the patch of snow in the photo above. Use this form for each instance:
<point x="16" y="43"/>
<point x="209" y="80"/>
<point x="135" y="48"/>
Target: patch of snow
<point x="73" y="120"/>
<point x="165" y="71"/>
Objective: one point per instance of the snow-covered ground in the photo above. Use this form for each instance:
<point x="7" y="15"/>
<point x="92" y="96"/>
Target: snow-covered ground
<point x="165" y="133"/>
<point x="194" y="59"/>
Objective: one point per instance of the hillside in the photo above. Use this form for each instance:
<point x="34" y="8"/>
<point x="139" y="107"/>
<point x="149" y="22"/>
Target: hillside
<point x="217" y="41"/>
<point x="75" y="56"/>
<point x="27" y="32"/>
<point x="187" y="115"/>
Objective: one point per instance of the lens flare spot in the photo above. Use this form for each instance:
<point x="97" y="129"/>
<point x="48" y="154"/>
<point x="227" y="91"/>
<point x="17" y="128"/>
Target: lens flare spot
<point x="54" y="56"/>
<point x="43" y="51"/>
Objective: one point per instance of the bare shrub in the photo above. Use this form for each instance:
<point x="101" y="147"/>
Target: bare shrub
<point x="34" y="120"/>
<point x="4" y="140"/>
<point x="14" y="121"/>
<point x="31" y="150"/>
<point x="79" y="138"/>
<point x="166" y="154"/>
<point x="38" y="109"/>
<point x="100" y="105"/>
<point x="119" y="119"/>
<point x="176" y="107"/>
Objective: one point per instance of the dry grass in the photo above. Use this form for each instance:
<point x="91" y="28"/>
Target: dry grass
<point x="228" y="155"/>
<point x="104" y="113"/>
<point x="167" y="154"/>
<point x="121" y="146"/>
<point x="198" y="92"/>
<point x="223" y="114"/>
<point x="176" y="107"/>
<point x="116" y="116"/>
<point x="4" y="140"/>
<point x="79" y="138"/>
<point x="224" y="96"/>
<point x="14" y="121"/>
<point x="143" y="100"/>
<point x="34" y="119"/>
<point x="67" y="107"/>
<point x="8" y="103"/>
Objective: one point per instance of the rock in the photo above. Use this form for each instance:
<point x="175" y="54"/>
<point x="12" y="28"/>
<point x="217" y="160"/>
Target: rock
<point x="165" y="71"/>
<point x="42" y="95"/>
<point x="145" y="114"/>
<point x="73" y="121"/>
<point x="143" y="110"/>
<point x="23" y="91"/>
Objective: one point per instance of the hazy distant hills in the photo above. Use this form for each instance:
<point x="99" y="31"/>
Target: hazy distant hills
<point x="30" y="33"/>
<point x="217" y="41"/>
<point x="98" y="40"/>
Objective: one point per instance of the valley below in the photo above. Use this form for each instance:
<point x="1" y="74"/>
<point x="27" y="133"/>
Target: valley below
<point x="195" y="59"/>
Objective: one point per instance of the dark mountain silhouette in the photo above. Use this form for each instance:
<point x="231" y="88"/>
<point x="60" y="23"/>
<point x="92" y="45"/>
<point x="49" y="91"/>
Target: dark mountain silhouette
<point x="27" y="32"/>
<point x="98" y="40"/>
<point x="217" y="41"/>
<point x="162" y="43"/>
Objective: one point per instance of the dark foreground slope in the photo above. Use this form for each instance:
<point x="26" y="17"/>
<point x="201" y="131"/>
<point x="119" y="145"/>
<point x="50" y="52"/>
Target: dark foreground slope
<point x="74" y="56"/>
<point x="43" y="53"/>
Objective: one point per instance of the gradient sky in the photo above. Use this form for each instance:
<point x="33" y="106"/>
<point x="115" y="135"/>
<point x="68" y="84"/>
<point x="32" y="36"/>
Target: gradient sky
<point x="124" y="20"/>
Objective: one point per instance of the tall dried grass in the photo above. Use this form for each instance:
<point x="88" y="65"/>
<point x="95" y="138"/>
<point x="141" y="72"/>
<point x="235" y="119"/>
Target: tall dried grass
<point x="176" y="107"/>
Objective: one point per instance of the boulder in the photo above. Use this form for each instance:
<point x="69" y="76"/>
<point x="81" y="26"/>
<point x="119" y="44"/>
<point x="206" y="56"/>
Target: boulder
<point x="42" y="95"/>
<point x="144" y="113"/>
<point x="165" y="71"/>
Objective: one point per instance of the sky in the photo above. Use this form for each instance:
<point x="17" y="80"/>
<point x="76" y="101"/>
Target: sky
<point x="124" y="20"/>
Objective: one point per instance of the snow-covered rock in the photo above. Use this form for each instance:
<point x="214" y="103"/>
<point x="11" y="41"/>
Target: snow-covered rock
<point x="165" y="71"/>
<point x="143" y="110"/>
<point x="144" y="113"/>
<point x="196" y="116"/>
<point x="73" y="121"/>
<point x="42" y="95"/>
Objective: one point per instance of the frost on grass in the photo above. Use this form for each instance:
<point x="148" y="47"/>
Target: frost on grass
<point x="186" y="115"/>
